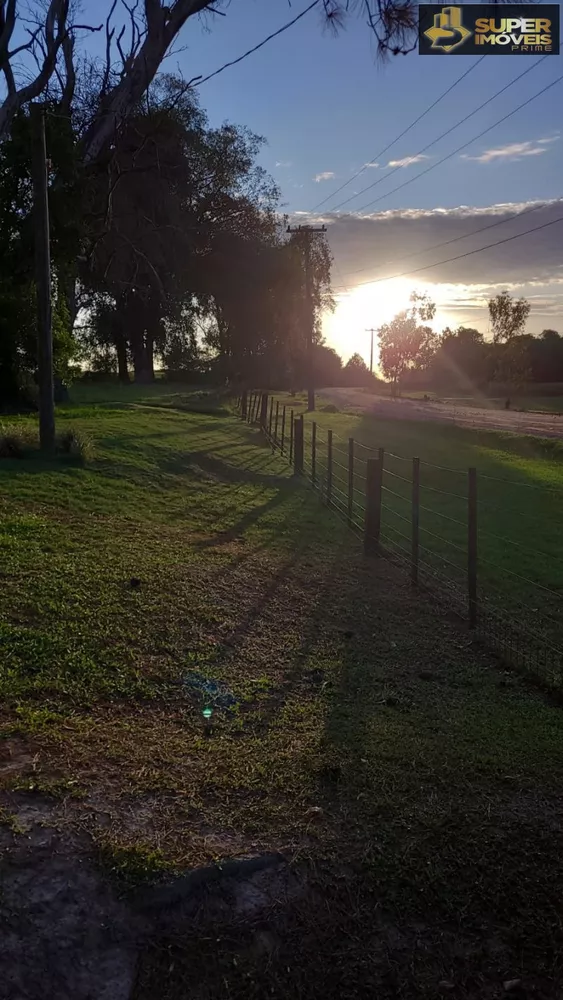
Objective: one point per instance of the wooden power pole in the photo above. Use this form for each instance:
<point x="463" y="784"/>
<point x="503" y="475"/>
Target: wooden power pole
<point x="371" y="331"/>
<point x="308" y="233"/>
<point x="43" y="281"/>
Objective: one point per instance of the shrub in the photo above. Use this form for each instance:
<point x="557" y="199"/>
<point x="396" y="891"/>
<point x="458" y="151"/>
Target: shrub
<point x="330" y="408"/>
<point x="16" y="440"/>
<point x="75" y="445"/>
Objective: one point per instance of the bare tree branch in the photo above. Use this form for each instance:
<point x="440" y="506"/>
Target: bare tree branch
<point x="52" y="37"/>
<point x="110" y="32"/>
<point x="7" y="25"/>
<point x="163" y="25"/>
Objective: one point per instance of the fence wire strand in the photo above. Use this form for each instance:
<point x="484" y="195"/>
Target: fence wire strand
<point x="529" y="636"/>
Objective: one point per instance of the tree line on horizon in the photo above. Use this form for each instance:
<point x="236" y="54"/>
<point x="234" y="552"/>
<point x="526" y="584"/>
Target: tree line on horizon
<point x="413" y="355"/>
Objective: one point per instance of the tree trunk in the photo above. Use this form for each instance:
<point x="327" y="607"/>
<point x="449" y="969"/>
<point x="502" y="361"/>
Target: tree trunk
<point x="149" y="355"/>
<point x="121" y="349"/>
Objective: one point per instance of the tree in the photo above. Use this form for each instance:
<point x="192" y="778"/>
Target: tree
<point x="182" y="223"/>
<point x="328" y="365"/>
<point x="17" y="276"/>
<point x="53" y="47"/>
<point x="508" y="317"/>
<point x="356" y="372"/>
<point x="406" y="344"/>
<point x="461" y="358"/>
<point x="512" y="367"/>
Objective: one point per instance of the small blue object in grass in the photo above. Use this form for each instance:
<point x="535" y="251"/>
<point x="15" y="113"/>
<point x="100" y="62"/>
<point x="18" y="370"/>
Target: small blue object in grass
<point x="217" y="694"/>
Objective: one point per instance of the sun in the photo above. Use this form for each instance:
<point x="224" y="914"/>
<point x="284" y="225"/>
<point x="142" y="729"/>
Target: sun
<point x="363" y="307"/>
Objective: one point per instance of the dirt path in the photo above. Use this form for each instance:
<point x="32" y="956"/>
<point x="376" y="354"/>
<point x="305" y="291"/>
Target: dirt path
<point x="536" y="423"/>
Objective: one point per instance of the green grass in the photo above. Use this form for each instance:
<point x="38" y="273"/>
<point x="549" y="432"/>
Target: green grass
<point x="433" y="852"/>
<point x="520" y="490"/>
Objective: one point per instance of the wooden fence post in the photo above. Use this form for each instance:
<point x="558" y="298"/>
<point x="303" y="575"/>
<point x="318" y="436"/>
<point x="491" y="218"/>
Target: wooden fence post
<point x="271" y="417"/>
<point x="329" y="469"/>
<point x="283" y="432"/>
<point x="298" y="433"/>
<point x="472" y="545"/>
<point x="350" y="481"/>
<point x="291" y="435"/>
<point x="244" y="405"/>
<point x="415" y="518"/>
<point x="314" y="452"/>
<point x="277" y="419"/>
<point x="373" y="507"/>
<point x="254" y="417"/>
<point x="264" y="411"/>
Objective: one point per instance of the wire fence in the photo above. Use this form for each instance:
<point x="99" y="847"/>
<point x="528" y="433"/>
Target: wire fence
<point x="440" y="526"/>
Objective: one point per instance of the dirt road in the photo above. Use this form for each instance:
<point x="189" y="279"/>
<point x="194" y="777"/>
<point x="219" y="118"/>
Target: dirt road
<point x="526" y="422"/>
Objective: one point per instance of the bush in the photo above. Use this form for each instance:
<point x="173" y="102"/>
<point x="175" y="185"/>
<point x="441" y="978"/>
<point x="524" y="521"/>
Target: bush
<point x="75" y="445"/>
<point x="16" y="440"/>
<point x="330" y="408"/>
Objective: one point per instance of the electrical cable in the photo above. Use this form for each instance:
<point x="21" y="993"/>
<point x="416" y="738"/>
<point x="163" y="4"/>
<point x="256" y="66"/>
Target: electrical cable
<point x="465" y="144"/>
<point x="400" y="136"/>
<point x="452" y="128"/>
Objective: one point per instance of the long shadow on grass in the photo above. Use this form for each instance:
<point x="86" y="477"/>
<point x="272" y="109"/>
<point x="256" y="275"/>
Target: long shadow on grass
<point x="435" y="846"/>
<point x="439" y="777"/>
<point x="249" y="519"/>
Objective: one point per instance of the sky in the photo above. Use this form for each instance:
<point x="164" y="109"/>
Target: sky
<point x="328" y="106"/>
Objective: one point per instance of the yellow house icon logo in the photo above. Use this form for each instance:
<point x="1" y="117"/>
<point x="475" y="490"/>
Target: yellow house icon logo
<point x="448" y="32"/>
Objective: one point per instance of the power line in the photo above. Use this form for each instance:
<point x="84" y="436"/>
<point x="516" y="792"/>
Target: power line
<point x="452" y="128"/>
<point x="456" y="239"/>
<point x="400" y="136"/>
<point x="469" y="253"/>
<point x="249" y="52"/>
<point x="465" y="144"/>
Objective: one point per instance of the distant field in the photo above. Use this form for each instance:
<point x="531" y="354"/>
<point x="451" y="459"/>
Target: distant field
<point x="520" y="503"/>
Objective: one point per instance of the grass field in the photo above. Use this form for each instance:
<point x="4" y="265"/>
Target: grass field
<point x="413" y="785"/>
<point x="520" y="490"/>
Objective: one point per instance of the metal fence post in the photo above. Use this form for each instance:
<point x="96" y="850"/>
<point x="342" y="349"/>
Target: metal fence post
<point x="373" y="507"/>
<point x="314" y="452"/>
<point x="277" y="419"/>
<point x="298" y="429"/>
<point x="264" y="411"/>
<point x="283" y="432"/>
<point x="291" y="435"/>
<point x="415" y="518"/>
<point x="472" y="545"/>
<point x="271" y="417"/>
<point x="350" y="481"/>
<point x="329" y="469"/>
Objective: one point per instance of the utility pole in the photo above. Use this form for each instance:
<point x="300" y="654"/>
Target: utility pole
<point x="43" y="281"/>
<point x="308" y="233"/>
<point x="372" y="331"/>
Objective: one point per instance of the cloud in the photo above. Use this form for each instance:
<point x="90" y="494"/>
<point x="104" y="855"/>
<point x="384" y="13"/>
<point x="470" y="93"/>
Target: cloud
<point x="327" y="175"/>
<point x="284" y="163"/>
<point x="387" y="244"/>
<point x="371" y="164"/>
<point x="408" y="161"/>
<point x="512" y="151"/>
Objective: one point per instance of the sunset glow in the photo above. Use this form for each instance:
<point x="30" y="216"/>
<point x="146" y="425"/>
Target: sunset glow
<point x="372" y="305"/>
